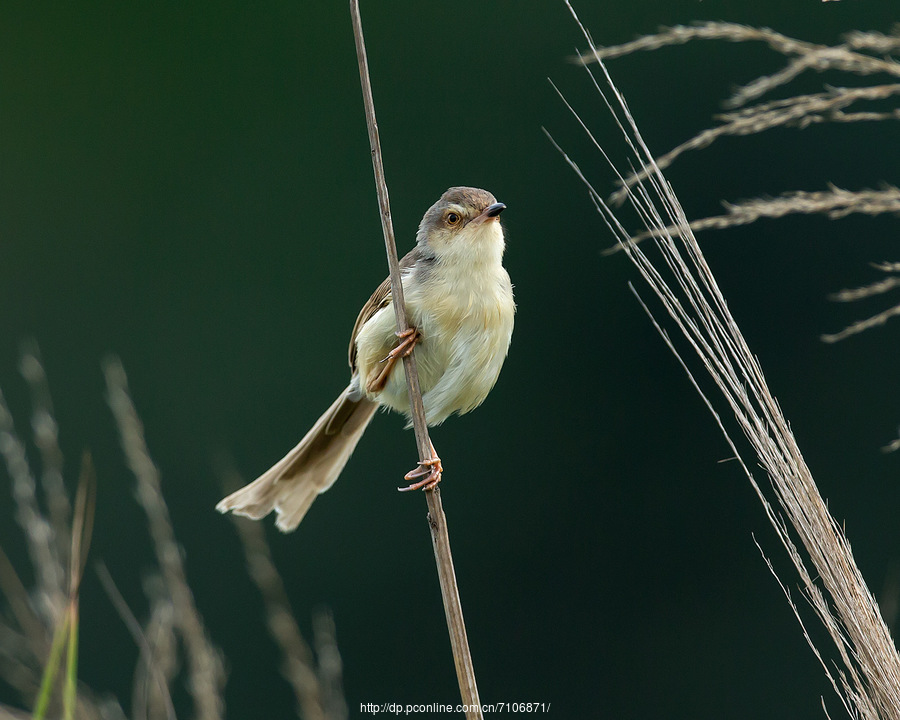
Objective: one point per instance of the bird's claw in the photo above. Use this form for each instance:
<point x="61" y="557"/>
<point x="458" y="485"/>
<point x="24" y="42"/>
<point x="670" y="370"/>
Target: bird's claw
<point x="429" y="470"/>
<point x="406" y="344"/>
<point x="407" y="341"/>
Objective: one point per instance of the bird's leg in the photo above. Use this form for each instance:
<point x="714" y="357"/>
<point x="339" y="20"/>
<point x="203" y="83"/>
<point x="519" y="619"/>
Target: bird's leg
<point x="429" y="470"/>
<point x="406" y="343"/>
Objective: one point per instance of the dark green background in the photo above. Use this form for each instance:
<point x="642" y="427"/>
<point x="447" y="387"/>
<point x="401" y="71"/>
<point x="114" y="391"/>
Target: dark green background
<point x="188" y="186"/>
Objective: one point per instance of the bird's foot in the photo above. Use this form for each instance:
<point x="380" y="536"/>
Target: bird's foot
<point x="429" y="470"/>
<point x="407" y="341"/>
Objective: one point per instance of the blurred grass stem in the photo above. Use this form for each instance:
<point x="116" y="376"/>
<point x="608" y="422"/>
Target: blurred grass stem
<point x="66" y="634"/>
<point x="206" y="673"/>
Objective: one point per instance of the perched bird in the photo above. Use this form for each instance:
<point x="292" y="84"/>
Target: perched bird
<point x="459" y="303"/>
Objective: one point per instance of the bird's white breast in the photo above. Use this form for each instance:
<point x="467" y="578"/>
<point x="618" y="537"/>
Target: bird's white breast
<point x="464" y="311"/>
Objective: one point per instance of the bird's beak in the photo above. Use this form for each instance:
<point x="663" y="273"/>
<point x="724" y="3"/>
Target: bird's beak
<point x="491" y="212"/>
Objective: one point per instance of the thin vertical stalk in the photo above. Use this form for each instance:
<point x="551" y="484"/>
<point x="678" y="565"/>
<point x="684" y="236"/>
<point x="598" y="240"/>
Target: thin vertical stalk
<point x="437" y="521"/>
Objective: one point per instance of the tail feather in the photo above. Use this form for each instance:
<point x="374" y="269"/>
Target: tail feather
<point x="290" y="486"/>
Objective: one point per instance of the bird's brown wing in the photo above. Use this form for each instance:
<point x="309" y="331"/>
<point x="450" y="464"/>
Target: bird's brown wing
<point x="380" y="298"/>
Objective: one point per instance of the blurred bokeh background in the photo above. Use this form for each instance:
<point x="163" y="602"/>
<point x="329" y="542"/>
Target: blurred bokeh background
<point x="188" y="186"/>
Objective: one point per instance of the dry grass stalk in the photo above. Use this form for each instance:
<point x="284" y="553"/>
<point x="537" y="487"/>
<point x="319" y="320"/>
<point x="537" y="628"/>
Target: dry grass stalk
<point x="82" y="532"/>
<point x="19" y="667"/>
<point x="146" y="702"/>
<point x="851" y="56"/>
<point x="206" y="676"/>
<point x="331" y="668"/>
<point x="46" y="437"/>
<point x="31" y="634"/>
<point x="866" y="54"/>
<point x="312" y="688"/>
<point x="879" y="287"/>
<point x="862" y="325"/>
<point x="62" y="660"/>
<point x="26" y="635"/>
<point x="57" y="547"/>
<point x="163" y="661"/>
<point x="437" y="521"/>
<point x="800" y="111"/>
<point x="861" y="54"/>
<point x="875" y="42"/>
<point x="41" y="541"/>
<point x="867" y="678"/>
<point x="834" y="203"/>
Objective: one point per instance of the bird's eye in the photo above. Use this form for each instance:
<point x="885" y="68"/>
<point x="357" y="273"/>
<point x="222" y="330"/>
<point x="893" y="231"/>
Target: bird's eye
<point x="453" y="219"/>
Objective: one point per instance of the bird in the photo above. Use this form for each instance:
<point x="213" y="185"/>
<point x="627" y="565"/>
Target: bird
<point x="460" y="307"/>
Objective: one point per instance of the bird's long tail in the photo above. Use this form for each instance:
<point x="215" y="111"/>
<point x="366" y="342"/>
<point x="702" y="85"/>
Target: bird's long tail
<point x="290" y="486"/>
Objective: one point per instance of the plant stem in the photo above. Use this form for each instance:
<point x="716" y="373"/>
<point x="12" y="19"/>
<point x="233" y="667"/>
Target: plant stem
<point x="437" y="521"/>
<point x="50" y="669"/>
<point x="70" y="685"/>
